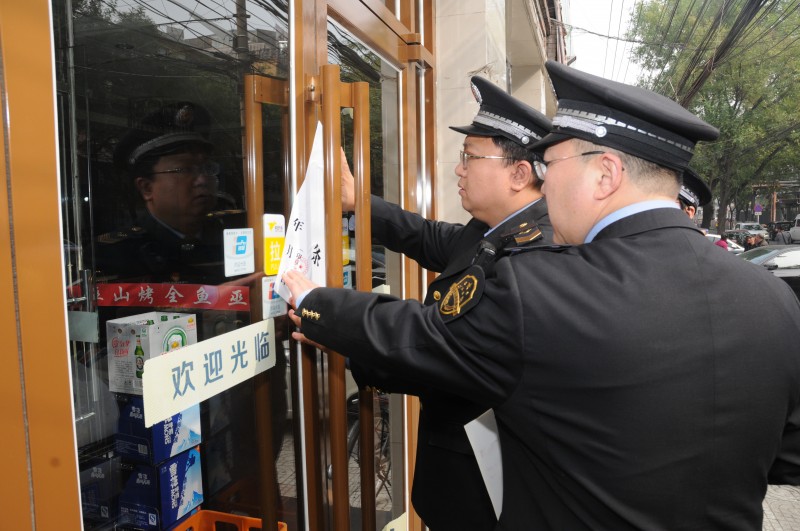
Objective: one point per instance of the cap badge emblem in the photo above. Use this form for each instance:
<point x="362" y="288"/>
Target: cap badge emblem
<point x="477" y="94"/>
<point x="184" y="116"/>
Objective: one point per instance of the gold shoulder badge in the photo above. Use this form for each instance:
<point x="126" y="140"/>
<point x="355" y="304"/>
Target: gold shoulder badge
<point x="463" y="294"/>
<point x="528" y="235"/>
<point x="524" y="233"/>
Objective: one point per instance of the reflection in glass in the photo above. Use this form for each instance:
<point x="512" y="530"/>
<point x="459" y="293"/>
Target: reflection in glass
<point x="145" y="88"/>
<point x="359" y="63"/>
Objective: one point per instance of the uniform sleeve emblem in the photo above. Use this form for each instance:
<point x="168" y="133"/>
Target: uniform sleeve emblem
<point x="463" y="294"/>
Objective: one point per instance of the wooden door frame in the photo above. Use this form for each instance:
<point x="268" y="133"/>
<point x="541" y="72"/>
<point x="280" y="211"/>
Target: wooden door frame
<point x="36" y="390"/>
<point x="41" y="487"/>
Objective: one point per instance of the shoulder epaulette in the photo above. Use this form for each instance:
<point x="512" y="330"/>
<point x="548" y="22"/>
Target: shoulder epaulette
<point x="553" y="248"/>
<point x="121" y="235"/>
<point x="524" y="233"/>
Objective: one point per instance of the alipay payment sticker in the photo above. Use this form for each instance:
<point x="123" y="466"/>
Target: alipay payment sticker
<point x="239" y="256"/>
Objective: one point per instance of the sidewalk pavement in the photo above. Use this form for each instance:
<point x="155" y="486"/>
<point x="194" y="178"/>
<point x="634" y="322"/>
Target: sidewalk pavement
<point x="782" y="508"/>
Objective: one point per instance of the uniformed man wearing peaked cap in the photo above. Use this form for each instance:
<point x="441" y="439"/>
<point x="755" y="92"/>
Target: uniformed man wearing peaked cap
<point x="622" y="378"/>
<point x="501" y="115"/>
<point x="498" y="187"/>
<point x="170" y="128"/>
<point x="632" y="119"/>
<point x="694" y="193"/>
<point x="178" y="236"/>
<point x="166" y="157"/>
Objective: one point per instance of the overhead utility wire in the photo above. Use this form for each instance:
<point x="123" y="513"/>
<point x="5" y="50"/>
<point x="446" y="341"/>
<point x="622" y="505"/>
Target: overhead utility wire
<point x="701" y="51"/>
<point x="185" y="26"/>
<point x="678" y="50"/>
<point x="705" y="45"/>
<point x="658" y="24"/>
<point x="140" y="30"/>
<point x="779" y="21"/>
<point x="616" y="43"/>
<point x="608" y="30"/>
<point x="721" y="52"/>
<point x="638" y="20"/>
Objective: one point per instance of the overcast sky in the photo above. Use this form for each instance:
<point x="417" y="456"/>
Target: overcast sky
<point x="598" y="54"/>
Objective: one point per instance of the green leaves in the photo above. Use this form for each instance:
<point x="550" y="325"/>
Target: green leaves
<point x="736" y="64"/>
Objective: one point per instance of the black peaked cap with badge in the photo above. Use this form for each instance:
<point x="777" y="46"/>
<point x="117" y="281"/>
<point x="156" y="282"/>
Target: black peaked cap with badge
<point x="631" y="119"/>
<point x="500" y="114"/>
<point x="169" y="129"/>
<point x="694" y="191"/>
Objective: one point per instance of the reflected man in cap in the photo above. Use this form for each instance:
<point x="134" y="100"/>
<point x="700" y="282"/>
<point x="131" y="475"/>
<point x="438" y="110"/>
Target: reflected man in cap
<point x="499" y="188"/>
<point x="167" y="159"/>
<point x="178" y="238"/>
<point x="625" y="388"/>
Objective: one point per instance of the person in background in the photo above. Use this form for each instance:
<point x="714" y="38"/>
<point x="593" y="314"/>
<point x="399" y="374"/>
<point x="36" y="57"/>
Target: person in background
<point x="749" y="242"/>
<point x="759" y="241"/>
<point x="499" y="188"/>
<point x="693" y="194"/>
<point x="722" y="242"/>
<point x="608" y="419"/>
<point x="782" y="237"/>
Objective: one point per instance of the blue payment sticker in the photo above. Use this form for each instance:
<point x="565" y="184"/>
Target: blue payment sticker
<point x="239" y="256"/>
<point x="241" y="245"/>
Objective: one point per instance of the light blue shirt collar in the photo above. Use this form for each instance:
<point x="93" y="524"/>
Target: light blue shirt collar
<point x="624" y="212"/>
<point x="488" y="232"/>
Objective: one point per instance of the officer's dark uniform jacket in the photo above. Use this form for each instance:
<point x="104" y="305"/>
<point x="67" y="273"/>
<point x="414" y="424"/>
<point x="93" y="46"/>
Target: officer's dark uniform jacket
<point x="448" y="490"/>
<point x="150" y="251"/>
<point x="614" y="413"/>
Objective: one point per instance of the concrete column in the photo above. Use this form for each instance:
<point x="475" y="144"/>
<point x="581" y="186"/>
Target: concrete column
<point x="470" y="40"/>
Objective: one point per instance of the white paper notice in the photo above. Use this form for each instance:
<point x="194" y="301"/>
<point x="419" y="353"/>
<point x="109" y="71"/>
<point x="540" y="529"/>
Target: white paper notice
<point x="304" y="248"/>
<point x="398" y="524"/>
<point x="485" y="440"/>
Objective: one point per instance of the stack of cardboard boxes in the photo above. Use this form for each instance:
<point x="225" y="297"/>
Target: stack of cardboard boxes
<point x="156" y="471"/>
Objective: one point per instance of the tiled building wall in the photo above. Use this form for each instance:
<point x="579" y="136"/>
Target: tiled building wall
<point x="501" y="40"/>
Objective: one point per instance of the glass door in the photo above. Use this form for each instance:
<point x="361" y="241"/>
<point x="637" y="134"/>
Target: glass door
<point x="159" y="202"/>
<point x="181" y="125"/>
<point x="383" y="413"/>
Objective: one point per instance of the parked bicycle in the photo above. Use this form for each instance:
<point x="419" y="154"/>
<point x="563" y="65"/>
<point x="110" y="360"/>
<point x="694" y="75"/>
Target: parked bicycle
<point x="383" y="461"/>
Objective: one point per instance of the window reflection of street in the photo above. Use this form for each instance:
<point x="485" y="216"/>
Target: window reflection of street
<point x="360" y="63"/>
<point x="117" y="63"/>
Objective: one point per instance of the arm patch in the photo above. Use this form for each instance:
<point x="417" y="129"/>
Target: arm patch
<point x="463" y="294"/>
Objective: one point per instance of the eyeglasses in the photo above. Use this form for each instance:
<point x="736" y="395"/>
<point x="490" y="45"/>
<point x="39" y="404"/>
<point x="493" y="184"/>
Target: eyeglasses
<point x="466" y="157"/>
<point x="540" y="166"/>
<point x="209" y="169"/>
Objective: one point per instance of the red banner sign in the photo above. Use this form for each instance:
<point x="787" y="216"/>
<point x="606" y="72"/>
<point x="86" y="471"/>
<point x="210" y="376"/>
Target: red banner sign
<point x="194" y="296"/>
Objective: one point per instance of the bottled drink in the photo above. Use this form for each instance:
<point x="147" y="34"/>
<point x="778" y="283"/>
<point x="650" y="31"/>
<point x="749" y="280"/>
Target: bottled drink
<point x="139" y="356"/>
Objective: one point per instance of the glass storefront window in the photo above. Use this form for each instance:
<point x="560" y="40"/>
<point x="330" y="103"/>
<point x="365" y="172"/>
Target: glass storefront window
<point x="359" y="63"/>
<point x="150" y="98"/>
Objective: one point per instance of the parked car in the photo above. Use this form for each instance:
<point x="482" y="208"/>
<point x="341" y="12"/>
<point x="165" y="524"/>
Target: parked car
<point x="737" y="235"/>
<point x="773" y="225"/>
<point x="782" y="260"/>
<point x="752" y="227"/>
<point x="795" y="230"/>
<point x="733" y="247"/>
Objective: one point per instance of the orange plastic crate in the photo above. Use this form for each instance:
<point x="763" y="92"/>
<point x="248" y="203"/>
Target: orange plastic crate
<point x="207" y="521"/>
